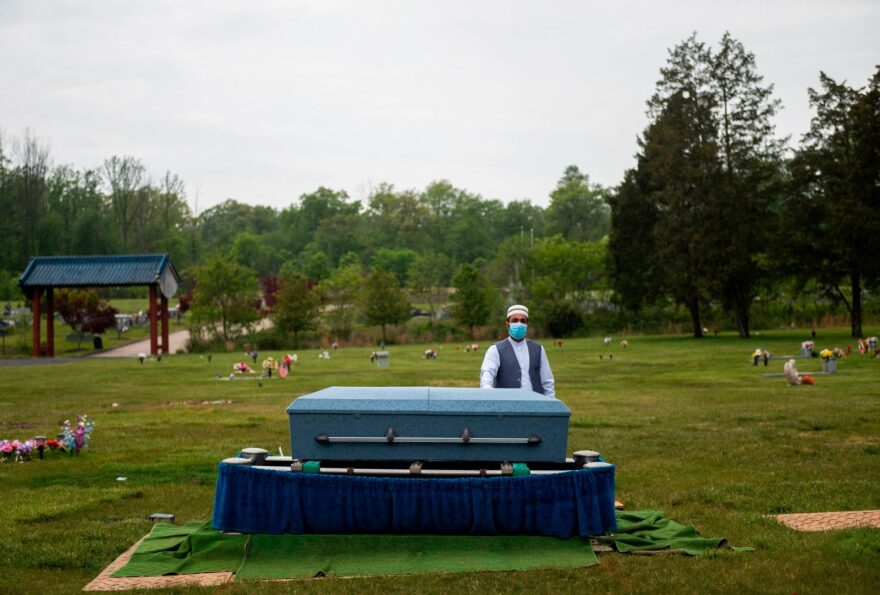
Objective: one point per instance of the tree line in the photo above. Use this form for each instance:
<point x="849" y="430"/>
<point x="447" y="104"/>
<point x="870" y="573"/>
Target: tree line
<point x="717" y="212"/>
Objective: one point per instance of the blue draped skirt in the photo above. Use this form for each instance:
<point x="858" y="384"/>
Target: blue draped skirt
<point x="251" y="500"/>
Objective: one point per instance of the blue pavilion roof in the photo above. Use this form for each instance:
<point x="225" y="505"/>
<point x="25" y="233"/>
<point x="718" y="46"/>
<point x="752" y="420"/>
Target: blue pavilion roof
<point x="101" y="271"/>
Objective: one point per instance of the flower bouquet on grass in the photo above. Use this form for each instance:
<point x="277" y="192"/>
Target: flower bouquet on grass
<point x="829" y="361"/>
<point x="74" y="438"/>
<point x="71" y="439"/>
<point x="15" y="450"/>
<point x="269" y="364"/>
<point x="241" y="368"/>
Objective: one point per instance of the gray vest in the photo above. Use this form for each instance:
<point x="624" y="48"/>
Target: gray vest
<point x="509" y="373"/>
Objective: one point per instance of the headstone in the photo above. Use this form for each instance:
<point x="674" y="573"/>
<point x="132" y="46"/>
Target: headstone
<point x="382" y="359"/>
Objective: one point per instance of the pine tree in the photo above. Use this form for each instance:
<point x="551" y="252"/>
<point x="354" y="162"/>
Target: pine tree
<point x="836" y="198"/>
<point x="633" y="267"/>
<point x="679" y="162"/>
<point x="710" y="164"/>
<point x="750" y="181"/>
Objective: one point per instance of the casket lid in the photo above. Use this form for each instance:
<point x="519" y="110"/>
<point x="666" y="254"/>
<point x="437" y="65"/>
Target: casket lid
<point x="428" y="401"/>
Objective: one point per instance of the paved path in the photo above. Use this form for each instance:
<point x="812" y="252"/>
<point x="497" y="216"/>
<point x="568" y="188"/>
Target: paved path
<point x="177" y="340"/>
<point x="43" y="361"/>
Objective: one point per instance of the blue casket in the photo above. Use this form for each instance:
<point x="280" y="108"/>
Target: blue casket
<point x="428" y="424"/>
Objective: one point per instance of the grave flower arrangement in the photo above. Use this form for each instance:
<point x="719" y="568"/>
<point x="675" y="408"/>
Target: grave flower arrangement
<point x="15" y="450"/>
<point x="759" y="354"/>
<point x="826" y="354"/>
<point x="75" y="437"/>
<point x="807" y="346"/>
<point x="242" y="368"/>
<point x="72" y="438"/>
<point x="269" y="364"/>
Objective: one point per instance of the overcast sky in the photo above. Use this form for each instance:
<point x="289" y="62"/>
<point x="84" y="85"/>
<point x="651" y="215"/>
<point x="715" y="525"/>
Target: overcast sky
<point x="265" y="101"/>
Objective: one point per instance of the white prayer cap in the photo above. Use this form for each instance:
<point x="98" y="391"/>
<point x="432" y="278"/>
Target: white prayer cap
<point x="517" y="309"/>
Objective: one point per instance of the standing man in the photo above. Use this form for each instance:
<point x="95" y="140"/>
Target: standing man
<point x="516" y="362"/>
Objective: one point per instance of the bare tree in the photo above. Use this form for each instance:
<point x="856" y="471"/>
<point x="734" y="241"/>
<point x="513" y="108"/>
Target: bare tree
<point x="126" y="176"/>
<point x="32" y="156"/>
<point x="173" y="207"/>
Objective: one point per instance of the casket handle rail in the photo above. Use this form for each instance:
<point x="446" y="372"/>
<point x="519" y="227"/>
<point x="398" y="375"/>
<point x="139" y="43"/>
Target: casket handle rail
<point x="392" y="437"/>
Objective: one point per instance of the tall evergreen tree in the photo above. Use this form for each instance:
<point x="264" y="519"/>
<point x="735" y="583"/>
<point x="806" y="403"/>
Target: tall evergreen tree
<point x="836" y="203"/>
<point x="750" y="184"/>
<point x="633" y="268"/>
<point x="679" y="161"/>
<point x="712" y="166"/>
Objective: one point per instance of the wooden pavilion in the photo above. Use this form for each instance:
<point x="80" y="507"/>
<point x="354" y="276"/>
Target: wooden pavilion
<point x="44" y="273"/>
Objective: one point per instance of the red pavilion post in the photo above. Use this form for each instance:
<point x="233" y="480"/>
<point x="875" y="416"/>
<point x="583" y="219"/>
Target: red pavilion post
<point x="165" y="348"/>
<point x="154" y="339"/>
<point x="35" y="309"/>
<point x="50" y="322"/>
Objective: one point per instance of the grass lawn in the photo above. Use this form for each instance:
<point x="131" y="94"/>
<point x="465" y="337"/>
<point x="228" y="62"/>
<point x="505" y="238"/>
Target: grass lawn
<point x="694" y="431"/>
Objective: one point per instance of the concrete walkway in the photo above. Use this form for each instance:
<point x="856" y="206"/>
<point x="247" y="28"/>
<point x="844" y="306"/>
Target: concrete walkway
<point x="42" y="361"/>
<point x="176" y="340"/>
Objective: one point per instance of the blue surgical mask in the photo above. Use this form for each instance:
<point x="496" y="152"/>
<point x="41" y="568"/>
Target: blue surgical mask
<point x="517" y="330"/>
